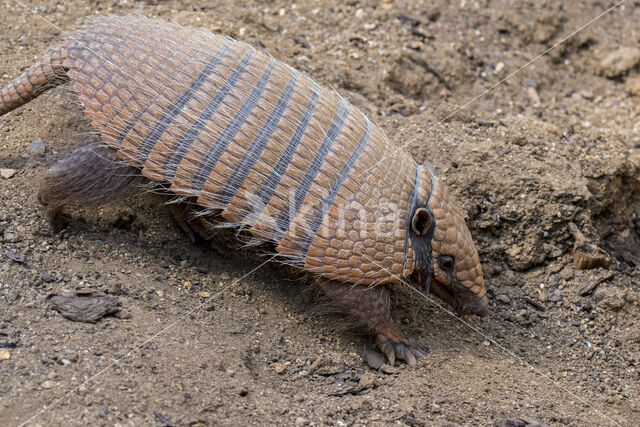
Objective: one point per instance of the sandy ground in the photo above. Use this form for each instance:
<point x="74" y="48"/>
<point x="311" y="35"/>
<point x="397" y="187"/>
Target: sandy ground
<point x="546" y="167"/>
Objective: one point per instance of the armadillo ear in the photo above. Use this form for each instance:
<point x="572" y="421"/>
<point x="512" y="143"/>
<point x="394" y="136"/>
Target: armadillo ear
<point x="422" y="221"/>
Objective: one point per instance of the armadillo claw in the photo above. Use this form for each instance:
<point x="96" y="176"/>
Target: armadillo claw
<point x="401" y="350"/>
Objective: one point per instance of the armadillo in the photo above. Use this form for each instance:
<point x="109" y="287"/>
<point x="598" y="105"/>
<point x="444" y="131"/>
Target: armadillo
<point x="235" y="131"/>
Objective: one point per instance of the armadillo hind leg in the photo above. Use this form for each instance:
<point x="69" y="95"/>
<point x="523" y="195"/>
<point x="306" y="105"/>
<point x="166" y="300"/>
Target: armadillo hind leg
<point x="89" y="176"/>
<point x="189" y="219"/>
<point x="371" y="307"/>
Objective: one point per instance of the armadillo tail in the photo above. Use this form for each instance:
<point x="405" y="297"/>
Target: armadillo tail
<point x="41" y="76"/>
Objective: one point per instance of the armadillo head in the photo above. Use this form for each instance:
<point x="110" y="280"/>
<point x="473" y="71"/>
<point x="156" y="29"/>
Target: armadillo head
<point x="446" y="262"/>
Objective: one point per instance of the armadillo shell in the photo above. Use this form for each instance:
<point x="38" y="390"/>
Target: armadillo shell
<point x="248" y="135"/>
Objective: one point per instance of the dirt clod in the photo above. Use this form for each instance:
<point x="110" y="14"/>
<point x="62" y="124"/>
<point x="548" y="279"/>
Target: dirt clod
<point x="86" y="305"/>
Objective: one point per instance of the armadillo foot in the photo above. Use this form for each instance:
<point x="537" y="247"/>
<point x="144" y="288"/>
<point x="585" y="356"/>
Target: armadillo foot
<point x="400" y="350"/>
<point x="371" y="307"/>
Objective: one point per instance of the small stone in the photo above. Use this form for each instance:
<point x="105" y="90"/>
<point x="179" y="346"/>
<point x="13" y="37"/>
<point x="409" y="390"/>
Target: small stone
<point x="4" y="354"/>
<point x="47" y="384"/>
<point x="532" y="93"/>
<point x="7" y="173"/>
<point x="587" y="94"/>
<point x="619" y="61"/>
<point x="555" y="297"/>
<point x="123" y="314"/>
<point x="84" y="305"/>
<point x="37" y="147"/>
<point x="504" y="299"/>
<point x="15" y="256"/>
<point x="300" y="421"/>
<point x="11" y="237"/>
<point x="405" y="407"/>
<point x="633" y="85"/>
<point x="46" y="277"/>
<point x="205" y="294"/>
<point x="83" y="389"/>
<point x="278" y="368"/>
<point x="438" y="399"/>
<point x="388" y="369"/>
<point x="367" y="381"/>
<point x="373" y="358"/>
<point x="566" y="273"/>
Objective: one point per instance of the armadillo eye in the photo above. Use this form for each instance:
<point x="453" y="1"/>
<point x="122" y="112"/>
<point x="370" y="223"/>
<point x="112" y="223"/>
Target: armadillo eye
<point x="446" y="262"/>
<point x="422" y="221"/>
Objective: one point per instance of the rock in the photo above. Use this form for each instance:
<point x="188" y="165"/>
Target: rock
<point x="37" y="147"/>
<point x="7" y="173"/>
<point x="504" y="299"/>
<point x="388" y="369"/>
<point x="612" y="298"/>
<point x="85" y="305"/>
<point x="555" y="297"/>
<point x="15" y="256"/>
<point x="367" y="381"/>
<point x="4" y="354"/>
<point x="373" y="358"/>
<point x="47" y="385"/>
<point x="11" y="237"/>
<point x="278" y="368"/>
<point x="633" y="85"/>
<point x="566" y="273"/>
<point x="46" y="277"/>
<point x="205" y="294"/>
<point x="619" y="61"/>
<point x="532" y="93"/>
<point x="163" y="419"/>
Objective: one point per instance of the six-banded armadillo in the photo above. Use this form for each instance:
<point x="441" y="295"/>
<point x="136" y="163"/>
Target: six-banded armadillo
<point x="238" y="132"/>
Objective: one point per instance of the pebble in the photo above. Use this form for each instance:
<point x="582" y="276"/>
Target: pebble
<point x="278" y="368"/>
<point x="555" y="297"/>
<point x="7" y="173"/>
<point x="633" y="85"/>
<point x="204" y="294"/>
<point x="367" y="381"/>
<point x="566" y="273"/>
<point x="15" y="256"/>
<point x="4" y="354"/>
<point x="11" y="237"/>
<point x="47" y="384"/>
<point x="37" y="147"/>
<point x="503" y="299"/>
<point x="532" y="93"/>
<point x="388" y="369"/>
<point x="619" y="61"/>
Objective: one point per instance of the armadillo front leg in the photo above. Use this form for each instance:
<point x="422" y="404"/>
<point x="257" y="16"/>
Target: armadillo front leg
<point x="371" y="307"/>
